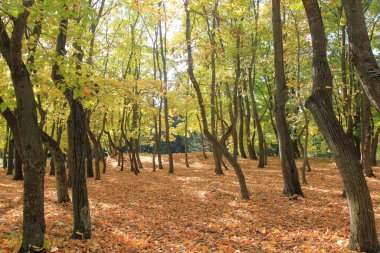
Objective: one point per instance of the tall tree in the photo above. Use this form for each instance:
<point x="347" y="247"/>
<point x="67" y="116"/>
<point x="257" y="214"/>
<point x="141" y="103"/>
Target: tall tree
<point x="362" y="221"/>
<point x="288" y="164"/>
<point x="32" y="151"/>
<point x="77" y="134"/>
<point x="190" y="70"/>
<point x="166" y="104"/>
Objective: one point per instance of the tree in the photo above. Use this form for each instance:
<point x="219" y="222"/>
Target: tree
<point x="32" y="152"/>
<point x="362" y="221"/>
<point x="363" y="57"/>
<point x="210" y="137"/>
<point x="289" y="170"/>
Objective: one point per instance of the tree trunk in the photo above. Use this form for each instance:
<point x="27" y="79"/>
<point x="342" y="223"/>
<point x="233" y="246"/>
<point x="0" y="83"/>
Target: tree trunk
<point x="52" y="167"/>
<point x="18" y="167"/>
<point x="252" y="82"/>
<point x="5" y="152"/>
<point x="96" y="154"/>
<point x="202" y="138"/>
<point x="159" y="155"/>
<point x="89" y="167"/>
<point x="32" y="151"/>
<point x="362" y="56"/>
<point x="60" y="169"/>
<point x="241" y="127"/>
<point x="11" y="152"/>
<point x="375" y="142"/>
<point x="362" y="220"/>
<point x="166" y="104"/>
<point x="211" y="34"/>
<point x="247" y="122"/>
<point x="288" y="165"/>
<point x="365" y="114"/>
<point x="186" y="145"/>
<point x="77" y="133"/>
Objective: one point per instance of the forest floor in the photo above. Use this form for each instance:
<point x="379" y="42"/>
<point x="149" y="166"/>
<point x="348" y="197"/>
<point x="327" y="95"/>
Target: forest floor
<point x="194" y="210"/>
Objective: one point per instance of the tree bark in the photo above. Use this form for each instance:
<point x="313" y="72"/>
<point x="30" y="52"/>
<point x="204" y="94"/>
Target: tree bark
<point x="89" y="167"/>
<point x="186" y="145"/>
<point x="241" y="126"/>
<point x="166" y="104"/>
<point x="289" y="170"/>
<point x="18" y="167"/>
<point x="211" y="34"/>
<point x="11" y="152"/>
<point x="362" y="55"/>
<point x="252" y="82"/>
<point x="60" y="168"/>
<point x="362" y="220"/>
<point x="77" y="134"/>
<point x="32" y="151"/>
<point x="365" y="114"/>
<point x="96" y="154"/>
<point x="375" y="142"/>
<point x="5" y="151"/>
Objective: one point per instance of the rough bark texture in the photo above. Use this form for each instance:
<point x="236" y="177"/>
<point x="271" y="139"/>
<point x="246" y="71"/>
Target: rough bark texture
<point x="362" y="220"/>
<point x="32" y="152"/>
<point x="289" y="170"/>
<point x="362" y="55"/>
<point x="77" y="133"/>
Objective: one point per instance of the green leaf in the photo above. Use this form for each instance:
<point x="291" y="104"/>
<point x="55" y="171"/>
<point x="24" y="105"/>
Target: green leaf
<point x="3" y="107"/>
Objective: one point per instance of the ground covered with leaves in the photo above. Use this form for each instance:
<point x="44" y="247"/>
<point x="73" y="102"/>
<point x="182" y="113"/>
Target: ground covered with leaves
<point x="194" y="210"/>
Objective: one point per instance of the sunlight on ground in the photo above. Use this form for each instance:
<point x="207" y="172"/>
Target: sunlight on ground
<point x="194" y="210"/>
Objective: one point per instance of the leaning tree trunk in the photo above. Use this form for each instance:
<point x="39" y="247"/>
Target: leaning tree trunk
<point x="288" y="165"/>
<point x="363" y="58"/>
<point x="362" y="221"/>
<point x="32" y="151"/>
